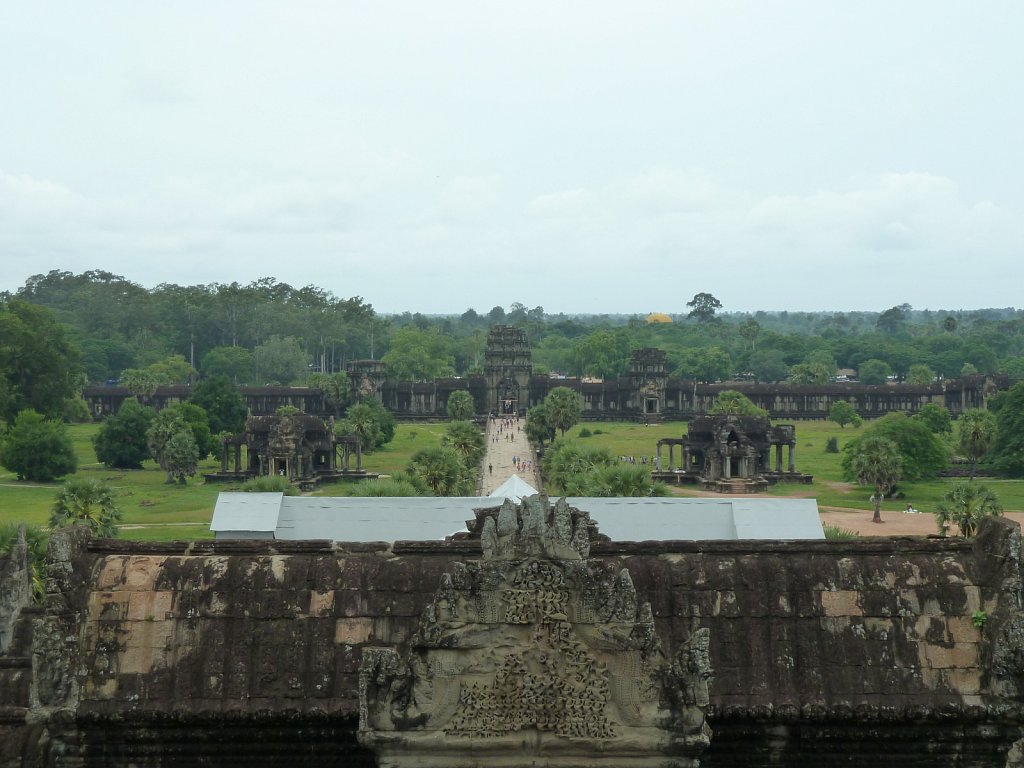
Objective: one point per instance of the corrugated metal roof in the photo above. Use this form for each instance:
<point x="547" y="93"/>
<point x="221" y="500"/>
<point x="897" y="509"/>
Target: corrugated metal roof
<point x="341" y="518"/>
<point x="246" y="512"/>
<point x="427" y="518"/>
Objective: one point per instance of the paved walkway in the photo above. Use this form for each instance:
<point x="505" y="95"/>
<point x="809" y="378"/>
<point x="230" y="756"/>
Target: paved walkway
<point x="504" y="441"/>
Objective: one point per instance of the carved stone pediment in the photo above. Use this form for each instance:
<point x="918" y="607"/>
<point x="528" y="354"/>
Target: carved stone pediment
<point x="536" y="655"/>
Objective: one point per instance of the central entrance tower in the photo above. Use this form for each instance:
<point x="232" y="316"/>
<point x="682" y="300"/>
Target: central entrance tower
<point x="507" y="368"/>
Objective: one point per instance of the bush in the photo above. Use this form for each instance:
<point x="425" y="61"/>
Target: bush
<point x="86" y="502"/>
<point x="832" y="445"/>
<point x="269" y="484"/>
<point x="835" y="533"/>
<point x="585" y="432"/>
<point x="37" y="448"/>
<point x="121" y="441"/>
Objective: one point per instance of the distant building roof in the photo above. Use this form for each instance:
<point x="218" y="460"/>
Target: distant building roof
<point x="429" y="518"/>
<point x="658" y="317"/>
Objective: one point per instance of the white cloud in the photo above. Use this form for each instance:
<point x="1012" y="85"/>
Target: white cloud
<point x="569" y="203"/>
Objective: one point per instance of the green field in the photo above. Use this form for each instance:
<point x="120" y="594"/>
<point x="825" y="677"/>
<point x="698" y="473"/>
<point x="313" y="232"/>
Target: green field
<point x="156" y="511"/>
<point x="828" y="488"/>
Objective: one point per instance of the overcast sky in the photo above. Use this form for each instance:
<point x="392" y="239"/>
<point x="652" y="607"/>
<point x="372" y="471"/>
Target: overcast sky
<point x="583" y="156"/>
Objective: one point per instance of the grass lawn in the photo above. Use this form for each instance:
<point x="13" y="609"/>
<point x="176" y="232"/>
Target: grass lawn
<point x="829" y="488"/>
<point x="155" y="511"/>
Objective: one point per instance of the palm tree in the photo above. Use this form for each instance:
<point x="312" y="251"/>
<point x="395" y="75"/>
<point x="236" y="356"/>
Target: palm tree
<point x="977" y="434"/>
<point x="966" y="504"/>
<point x="441" y="469"/>
<point x="876" y="461"/>
<point x="86" y="501"/>
<point x="465" y="437"/>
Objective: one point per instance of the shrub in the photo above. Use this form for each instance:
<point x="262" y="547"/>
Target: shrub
<point x="37" y="448"/>
<point x="832" y="445"/>
<point x="585" y="432"/>
<point x="269" y="484"/>
<point x="87" y="502"/>
<point x="835" y="533"/>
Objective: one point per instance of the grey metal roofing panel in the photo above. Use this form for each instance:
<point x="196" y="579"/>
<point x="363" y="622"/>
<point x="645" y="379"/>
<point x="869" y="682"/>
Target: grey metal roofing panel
<point x="660" y="519"/>
<point x="427" y="518"/>
<point x="340" y="518"/>
<point x="246" y="511"/>
<point x="777" y="519"/>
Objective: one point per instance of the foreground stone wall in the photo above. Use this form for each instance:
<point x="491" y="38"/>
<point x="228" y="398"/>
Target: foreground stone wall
<point x="823" y="652"/>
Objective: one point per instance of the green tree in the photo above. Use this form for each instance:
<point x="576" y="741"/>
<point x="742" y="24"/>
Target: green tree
<point x="198" y="422"/>
<point x="603" y="354"/>
<point x="703" y="307"/>
<point x="843" y="413"/>
<point x="1008" y="450"/>
<point x="87" y="502"/>
<point x="810" y="373"/>
<point x="768" y="365"/>
<point x="976" y="435"/>
<point x="936" y="417"/>
<point x="419" y="355"/>
<point x="874" y="371"/>
<point x="233" y="363"/>
<point x="140" y="382"/>
<point x="442" y="471"/>
<point x="920" y="375"/>
<point x="703" y="364"/>
<point x="336" y="389"/>
<point x="466" y="439"/>
<point x="121" y="440"/>
<point x="39" y="367"/>
<point x="173" y="445"/>
<point x="567" y="460"/>
<point x="281" y="360"/>
<point x="173" y="369"/>
<point x="729" y="401"/>
<point x="538" y="429"/>
<point x="461" y="406"/>
<point x="893" y="320"/>
<point x="616" y="481"/>
<point x="964" y="505"/>
<point x="370" y="421"/>
<point x="563" y="408"/>
<point x="37" y="448"/>
<point x="749" y="330"/>
<point x="923" y="453"/>
<point x="874" y="461"/>
<point x="220" y="399"/>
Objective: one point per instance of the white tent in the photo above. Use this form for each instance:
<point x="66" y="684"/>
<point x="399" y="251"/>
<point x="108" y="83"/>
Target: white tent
<point x="514" y="488"/>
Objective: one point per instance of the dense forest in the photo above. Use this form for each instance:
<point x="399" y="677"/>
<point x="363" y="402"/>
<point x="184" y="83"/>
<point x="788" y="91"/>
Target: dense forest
<point x="271" y="332"/>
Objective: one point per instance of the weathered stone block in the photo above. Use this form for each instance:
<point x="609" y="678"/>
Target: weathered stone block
<point x="354" y="631"/>
<point x="841" y="603"/>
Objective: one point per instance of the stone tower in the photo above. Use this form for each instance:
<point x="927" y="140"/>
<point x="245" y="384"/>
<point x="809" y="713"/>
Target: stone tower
<point x="648" y="370"/>
<point x="507" y="368"/>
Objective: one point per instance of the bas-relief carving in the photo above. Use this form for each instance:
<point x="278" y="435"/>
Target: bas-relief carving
<point x="536" y="655"/>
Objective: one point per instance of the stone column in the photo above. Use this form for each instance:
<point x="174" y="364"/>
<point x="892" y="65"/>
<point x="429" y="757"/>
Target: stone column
<point x="359" y="456"/>
<point x="224" y="457"/>
<point x="792" y="451"/>
<point x="658" y="454"/>
<point x="778" y="457"/>
<point x="238" y="457"/>
<point x="726" y="466"/>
